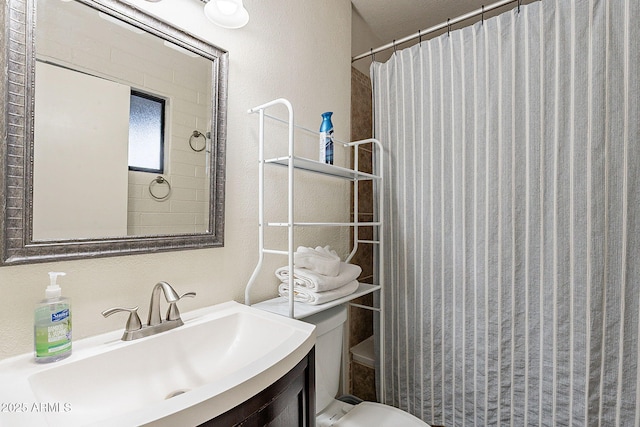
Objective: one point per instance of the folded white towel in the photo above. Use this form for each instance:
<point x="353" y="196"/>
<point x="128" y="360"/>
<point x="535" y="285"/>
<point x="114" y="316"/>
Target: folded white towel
<point x="304" y="295"/>
<point x="318" y="282"/>
<point x="324" y="261"/>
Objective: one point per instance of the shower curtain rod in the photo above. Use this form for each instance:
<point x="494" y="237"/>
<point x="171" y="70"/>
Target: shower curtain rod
<point x="449" y="22"/>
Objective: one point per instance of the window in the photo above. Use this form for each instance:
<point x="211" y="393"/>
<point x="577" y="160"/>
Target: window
<point x="146" y="133"/>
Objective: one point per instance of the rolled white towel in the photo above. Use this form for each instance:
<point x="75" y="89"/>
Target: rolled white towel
<point x="304" y="295"/>
<point x="318" y="282"/>
<point x="324" y="261"/>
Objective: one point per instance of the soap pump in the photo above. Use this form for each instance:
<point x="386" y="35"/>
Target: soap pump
<point x="52" y="323"/>
<point x="54" y="290"/>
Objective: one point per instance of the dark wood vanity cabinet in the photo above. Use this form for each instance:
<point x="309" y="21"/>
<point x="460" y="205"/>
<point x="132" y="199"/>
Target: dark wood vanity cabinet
<point x="289" y="402"/>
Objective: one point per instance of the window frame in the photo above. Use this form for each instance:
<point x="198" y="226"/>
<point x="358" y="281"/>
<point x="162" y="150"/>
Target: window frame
<point x="163" y="142"/>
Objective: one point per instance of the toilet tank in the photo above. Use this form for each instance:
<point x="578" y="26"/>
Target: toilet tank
<point x="329" y="332"/>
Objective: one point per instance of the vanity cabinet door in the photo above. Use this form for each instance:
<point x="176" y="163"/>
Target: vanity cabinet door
<point x="289" y="402"/>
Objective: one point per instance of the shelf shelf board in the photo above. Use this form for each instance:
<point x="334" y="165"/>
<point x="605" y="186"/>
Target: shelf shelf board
<point x="322" y="168"/>
<point x="324" y="224"/>
<point x="280" y="305"/>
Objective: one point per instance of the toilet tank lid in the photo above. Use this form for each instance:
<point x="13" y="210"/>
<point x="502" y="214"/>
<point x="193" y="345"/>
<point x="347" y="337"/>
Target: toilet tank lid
<point x="328" y="319"/>
<point x="376" y="414"/>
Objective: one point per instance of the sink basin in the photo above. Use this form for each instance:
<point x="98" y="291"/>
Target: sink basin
<point x="222" y="356"/>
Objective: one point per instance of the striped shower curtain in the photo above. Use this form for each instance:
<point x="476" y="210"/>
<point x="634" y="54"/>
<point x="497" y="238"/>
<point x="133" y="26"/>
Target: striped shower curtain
<point x="512" y="209"/>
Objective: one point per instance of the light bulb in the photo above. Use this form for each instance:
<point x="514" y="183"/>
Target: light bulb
<point x="226" y="7"/>
<point x="226" y="13"/>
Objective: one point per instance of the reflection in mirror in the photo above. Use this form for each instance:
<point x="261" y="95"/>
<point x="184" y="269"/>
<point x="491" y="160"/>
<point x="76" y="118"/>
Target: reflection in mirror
<point x="114" y="108"/>
<point x="109" y="164"/>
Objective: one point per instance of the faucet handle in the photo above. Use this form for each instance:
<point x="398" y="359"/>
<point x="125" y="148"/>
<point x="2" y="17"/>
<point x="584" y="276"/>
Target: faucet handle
<point x="133" y="323"/>
<point x="173" y="313"/>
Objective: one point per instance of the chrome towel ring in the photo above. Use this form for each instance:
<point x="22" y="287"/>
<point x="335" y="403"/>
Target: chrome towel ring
<point x="195" y="135"/>
<point x="159" y="180"/>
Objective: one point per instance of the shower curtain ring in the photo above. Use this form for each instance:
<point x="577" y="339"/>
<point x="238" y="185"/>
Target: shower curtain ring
<point x="448" y="27"/>
<point x="482" y="16"/>
<point x="373" y="56"/>
<point x="519" y="1"/>
<point x="419" y="38"/>
<point x="394" y="45"/>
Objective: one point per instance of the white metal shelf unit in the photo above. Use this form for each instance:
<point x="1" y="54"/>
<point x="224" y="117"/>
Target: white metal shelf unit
<point x="291" y="162"/>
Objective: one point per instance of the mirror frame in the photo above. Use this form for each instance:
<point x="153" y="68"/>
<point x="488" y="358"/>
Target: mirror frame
<point x="16" y="152"/>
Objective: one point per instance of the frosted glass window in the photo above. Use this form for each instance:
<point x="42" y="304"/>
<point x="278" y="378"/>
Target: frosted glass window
<point x="146" y="133"/>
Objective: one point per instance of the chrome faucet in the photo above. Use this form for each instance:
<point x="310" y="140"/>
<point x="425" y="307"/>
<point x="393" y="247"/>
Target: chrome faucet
<point x="154" y="307"/>
<point x="155" y="324"/>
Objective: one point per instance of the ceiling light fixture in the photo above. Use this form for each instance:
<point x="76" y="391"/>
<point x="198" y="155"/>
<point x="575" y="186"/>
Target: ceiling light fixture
<point x="226" y="13"/>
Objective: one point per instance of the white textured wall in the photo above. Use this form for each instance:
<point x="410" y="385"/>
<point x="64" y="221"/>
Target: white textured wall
<point x="299" y="50"/>
<point x="362" y="40"/>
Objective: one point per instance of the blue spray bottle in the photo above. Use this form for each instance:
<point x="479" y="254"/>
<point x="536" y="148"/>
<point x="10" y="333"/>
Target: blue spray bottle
<point x="326" y="139"/>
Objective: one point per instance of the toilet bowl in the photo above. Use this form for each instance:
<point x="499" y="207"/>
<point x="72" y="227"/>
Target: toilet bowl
<point x="330" y="411"/>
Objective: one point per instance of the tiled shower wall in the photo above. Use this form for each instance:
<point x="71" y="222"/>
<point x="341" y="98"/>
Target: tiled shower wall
<point x="361" y="378"/>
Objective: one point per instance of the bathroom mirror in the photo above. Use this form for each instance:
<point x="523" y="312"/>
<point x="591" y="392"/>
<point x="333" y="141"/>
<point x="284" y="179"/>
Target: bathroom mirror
<point x="114" y="123"/>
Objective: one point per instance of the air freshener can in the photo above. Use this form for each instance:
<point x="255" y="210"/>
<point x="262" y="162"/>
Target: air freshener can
<point x="326" y="139"/>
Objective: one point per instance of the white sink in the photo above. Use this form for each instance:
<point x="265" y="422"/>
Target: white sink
<point x="221" y="356"/>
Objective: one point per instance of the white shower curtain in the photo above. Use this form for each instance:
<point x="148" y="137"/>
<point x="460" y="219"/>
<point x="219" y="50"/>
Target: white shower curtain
<point x="512" y="201"/>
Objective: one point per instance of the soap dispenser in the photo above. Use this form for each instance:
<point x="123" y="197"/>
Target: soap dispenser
<point x="52" y="324"/>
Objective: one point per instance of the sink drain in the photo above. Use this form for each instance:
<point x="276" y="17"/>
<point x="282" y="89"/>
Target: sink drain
<point x="176" y="393"/>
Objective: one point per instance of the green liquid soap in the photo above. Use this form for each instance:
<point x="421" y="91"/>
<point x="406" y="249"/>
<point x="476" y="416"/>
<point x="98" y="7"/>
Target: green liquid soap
<point x="52" y="324"/>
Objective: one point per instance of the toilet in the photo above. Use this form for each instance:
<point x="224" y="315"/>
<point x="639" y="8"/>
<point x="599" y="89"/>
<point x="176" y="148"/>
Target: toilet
<point x="330" y="411"/>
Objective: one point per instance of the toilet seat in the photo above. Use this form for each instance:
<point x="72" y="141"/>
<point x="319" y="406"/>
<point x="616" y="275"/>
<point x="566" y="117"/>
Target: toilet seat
<point x="368" y="414"/>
